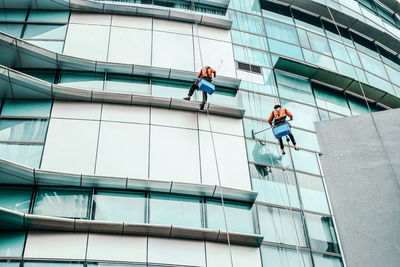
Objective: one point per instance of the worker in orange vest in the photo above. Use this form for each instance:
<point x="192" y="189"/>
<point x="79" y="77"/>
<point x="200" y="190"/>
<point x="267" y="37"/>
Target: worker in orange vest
<point x="278" y="116"/>
<point x="205" y="73"/>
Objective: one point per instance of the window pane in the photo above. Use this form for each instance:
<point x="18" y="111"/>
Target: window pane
<point x="339" y="51"/>
<point x="128" y="84"/>
<point x="175" y="210"/>
<point x="9" y="264"/>
<point x="267" y="154"/>
<point x="306" y="139"/>
<point x="51" y="264"/>
<point x="248" y="39"/>
<point x="239" y="217"/>
<point x="281" y="226"/>
<point x="285" y="49"/>
<point x="312" y="193"/>
<point x="119" y="207"/>
<point x="45" y="75"/>
<point x="282" y="257"/>
<point x="171" y="88"/>
<point x="319" y="43"/>
<point x="11" y="244"/>
<point x="26" y="108"/>
<point x="305" y="161"/>
<point x="246" y="22"/>
<point x="275" y="187"/>
<point x="281" y="31"/>
<point x="321" y="260"/>
<point x="61" y="203"/>
<point x="18" y="199"/>
<point x="13" y="14"/>
<point x="331" y="99"/>
<point x="23" y="130"/>
<point x="322" y="233"/>
<point x="93" y="81"/>
<point x="55" y="46"/>
<point x="294" y="88"/>
<point x="303" y="116"/>
<point x="53" y="32"/>
<point x="48" y="16"/>
<point x="12" y="29"/>
<point x="357" y="105"/>
<point x="28" y="155"/>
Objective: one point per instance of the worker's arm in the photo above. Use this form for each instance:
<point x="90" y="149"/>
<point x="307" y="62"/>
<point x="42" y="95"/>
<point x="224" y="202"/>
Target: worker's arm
<point x="198" y="76"/>
<point x="213" y="72"/>
<point x="271" y="118"/>
<point x="289" y="114"/>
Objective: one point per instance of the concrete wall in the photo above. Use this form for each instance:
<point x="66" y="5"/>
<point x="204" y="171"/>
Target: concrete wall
<point x="362" y="171"/>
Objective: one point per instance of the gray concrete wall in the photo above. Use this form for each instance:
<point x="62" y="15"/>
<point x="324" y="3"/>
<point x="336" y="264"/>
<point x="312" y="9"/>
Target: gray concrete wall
<point x="362" y="168"/>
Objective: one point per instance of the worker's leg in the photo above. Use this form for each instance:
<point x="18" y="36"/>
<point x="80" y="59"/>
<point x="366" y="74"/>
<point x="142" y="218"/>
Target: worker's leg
<point x="281" y="145"/>
<point x="193" y="87"/>
<point x="204" y="97"/>
<point x="293" y="141"/>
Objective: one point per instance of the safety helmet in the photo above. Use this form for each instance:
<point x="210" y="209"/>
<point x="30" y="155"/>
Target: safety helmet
<point x="277" y="105"/>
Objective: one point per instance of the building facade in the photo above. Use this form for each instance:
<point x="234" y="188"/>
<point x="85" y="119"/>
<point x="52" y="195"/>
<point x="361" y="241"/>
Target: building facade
<point x="103" y="164"/>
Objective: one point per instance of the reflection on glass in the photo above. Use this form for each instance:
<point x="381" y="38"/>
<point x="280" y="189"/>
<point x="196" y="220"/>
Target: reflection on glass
<point x="128" y="84"/>
<point x="238" y="216"/>
<point x="175" y="210"/>
<point x="305" y="161"/>
<point x="119" y="207"/>
<point x="170" y="88"/>
<point x="11" y="244"/>
<point x="23" y="130"/>
<point x="282" y="257"/>
<point x="86" y="80"/>
<point x="49" y="32"/>
<point x="12" y="29"/>
<point x="61" y="203"/>
<point x="294" y="88"/>
<point x="331" y="99"/>
<point x="266" y="154"/>
<point x="322" y="260"/>
<point x="312" y="193"/>
<point x="9" y="264"/>
<point x="28" y="155"/>
<point x="18" y="199"/>
<point x="303" y="116"/>
<point x="25" y="107"/>
<point x="322" y="233"/>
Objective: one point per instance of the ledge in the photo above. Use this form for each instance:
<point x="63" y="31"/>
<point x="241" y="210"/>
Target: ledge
<point x="383" y="37"/>
<point x="346" y="83"/>
<point x="13" y="220"/>
<point x="12" y="173"/>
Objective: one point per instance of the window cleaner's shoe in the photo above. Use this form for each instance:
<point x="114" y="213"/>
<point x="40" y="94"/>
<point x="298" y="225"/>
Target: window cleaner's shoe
<point x="202" y="105"/>
<point x="186" y="98"/>
<point x="295" y="147"/>
<point x="283" y="152"/>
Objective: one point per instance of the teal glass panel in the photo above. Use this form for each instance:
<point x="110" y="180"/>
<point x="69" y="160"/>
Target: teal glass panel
<point x="373" y="65"/>
<point x="303" y="116"/>
<point x="50" y="32"/>
<point x="48" y="16"/>
<point x="23" y="130"/>
<point x="269" y="80"/>
<point x="331" y="99"/>
<point x="252" y="56"/>
<point x="319" y="44"/>
<point x="281" y="31"/>
<point x="258" y="106"/>
<point x="268" y="154"/>
<point x="295" y="88"/>
<point x="324" y="61"/>
<point x="358" y="106"/>
<point x="257" y="126"/>
<point x="15" y="15"/>
<point x="308" y="56"/>
<point x="346" y="69"/>
<point x="62" y="203"/>
<point x="18" y="199"/>
<point x="306" y="139"/>
<point x="339" y="51"/>
<point x="11" y="244"/>
<point x="361" y="75"/>
<point x="55" y="46"/>
<point x="322" y="260"/>
<point x="239" y="217"/>
<point x="379" y="83"/>
<point x="394" y="75"/>
<point x="277" y="12"/>
<point x="86" y="80"/>
<point x="312" y="193"/>
<point x="247" y="23"/>
<point x="304" y="42"/>
<point x="276" y="186"/>
<point x="285" y="49"/>
<point x="9" y="264"/>
<point x="45" y="75"/>
<point x="172" y="88"/>
<point x="224" y="98"/>
<point x="321" y="233"/>
<point x="248" y="6"/>
<point x="28" y="155"/>
<point x="175" y="210"/>
<point x="282" y="257"/>
<point x="353" y="57"/>
<point x="120" y="207"/>
<point x="12" y="29"/>
<point x="40" y="108"/>
<point x="127" y="84"/>
<point x="51" y="264"/>
<point x="305" y="161"/>
<point x="282" y="226"/>
<point x="250" y="40"/>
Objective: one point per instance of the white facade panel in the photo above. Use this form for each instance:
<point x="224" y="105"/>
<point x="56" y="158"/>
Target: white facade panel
<point x="76" y="110"/>
<point x="221" y="124"/>
<point x="212" y="33"/>
<point x="172" y="26"/>
<point x="174" y="118"/>
<point x="85" y="18"/>
<point x="132" y="22"/>
<point x="125" y="113"/>
<point x="218" y="255"/>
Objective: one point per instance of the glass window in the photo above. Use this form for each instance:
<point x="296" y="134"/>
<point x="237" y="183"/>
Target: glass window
<point x="23" y="130"/>
<point x="257" y="126"/>
<point x="51" y="264"/>
<point x="51" y="32"/>
<point x="346" y="69"/>
<point x="246" y="22"/>
<point x="305" y="161"/>
<point x="45" y="75"/>
<point x="175" y="210"/>
<point x="11" y="244"/>
<point x="276" y="11"/>
<point x="303" y="116"/>
<point x="324" y="61"/>
<point x="28" y="155"/>
<point x="322" y="260"/>
<point x="304" y="42"/>
<point x="307" y="21"/>
<point x="282" y="257"/>
<point x="306" y="139"/>
<point x="321" y="233"/>
<point x="15" y="15"/>
<point x="55" y="46"/>
<point x="339" y="51"/>
<point x="319" y="43"/>
<point x="18" y="199"/>
<point x="276" y="187"/>
<point x="294" y="88"/>
<point x="312" y="193"/>
<point x="266" y="154"/>
<point x="88" y="80"/>
<point x="258" y="106"/>
<point x="248" y="39"/>
<point x="357" y="105"/>
<point x="249" y="6"/>
<point x="285" y="49"/>
<point x="128" y="84"/>
<point x="48" y="16"/>
<point x="62" y="203"/>
<point x="251" y="56"/>
<point x="281" y="31"/>
<point x="12" y="29"/>
<point x="9" y="263"/>
<point x="120" y="207"/>
<point x="281" y="226"/>
<point x="239" y="217"/>
<point x="372" y="65"/>
<point x="40" y="108"/>
<point x="170" y="88"/>
<point x="331" y="99"/>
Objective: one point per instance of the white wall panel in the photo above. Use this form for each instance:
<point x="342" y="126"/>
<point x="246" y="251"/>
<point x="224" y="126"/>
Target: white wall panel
<point x="117" y="248"/>
<point x="172" y="26"/>
<point x="174" y="154"/>
<point x="218" y="255"/>
<point x="85" y="18"/>
<point x="221" y="124"/>
<point x="132" y="22"/>
<point x="47" y="245"/>
<point x="123" y="150"/>
<point x="175" y="251"/>
<point x="76" y="110"/>
<point x="232" y="161"/>
<point x="212" y="53"/>
<point x="212" y="33"/>
<point x="131" y="46"/>
<point x="87" y="41"/>
<point x="175" y="118"/>
<point x="71" y="146"/>
<point x="173" y="51"/>
<point x="125" y="113"/>
<point x="250" y="77"/>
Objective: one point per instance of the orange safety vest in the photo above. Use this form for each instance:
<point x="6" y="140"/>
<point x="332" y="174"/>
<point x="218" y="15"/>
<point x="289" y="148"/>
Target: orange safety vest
<point x="207" y="73"/>
<point x="281" y="115"/>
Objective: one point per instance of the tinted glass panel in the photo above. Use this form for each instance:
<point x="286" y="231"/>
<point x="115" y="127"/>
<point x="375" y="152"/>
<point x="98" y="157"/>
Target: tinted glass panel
<point x="274" y="256"/>
<point x="18" y="199"/>
<point x="26" y="108"/>
<point x="322" y="233"/>
<point x="28" y="155"/>
<point x="11" y="244"/>
<point x="23" y="130"/>
<point x="52" y="32"/>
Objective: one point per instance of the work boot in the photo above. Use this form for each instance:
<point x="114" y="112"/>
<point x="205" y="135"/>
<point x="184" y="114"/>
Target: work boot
<point x="283" y="152"/>
<point x="295" y="147"/>
<point x="186" y="98"/>
<point x="202" y="105"/>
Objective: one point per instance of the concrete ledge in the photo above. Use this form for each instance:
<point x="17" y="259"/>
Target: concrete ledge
<point x="15" y="174"/>
<point x="12" y="220"/>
